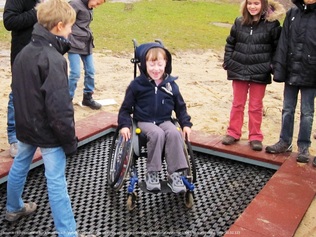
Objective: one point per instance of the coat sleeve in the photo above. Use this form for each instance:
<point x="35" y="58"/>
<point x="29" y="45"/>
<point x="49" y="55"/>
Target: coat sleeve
<point x="58" y="105"/>
<point x="279" y="59"/>
<point x="127" y="108"/>
<point x="181" y="109"/>
<point x="15" y="18"/>
<point x="230" y="44"/>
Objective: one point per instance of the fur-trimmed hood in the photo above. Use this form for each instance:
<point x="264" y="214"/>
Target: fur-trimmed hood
<point x="276" y="10"/>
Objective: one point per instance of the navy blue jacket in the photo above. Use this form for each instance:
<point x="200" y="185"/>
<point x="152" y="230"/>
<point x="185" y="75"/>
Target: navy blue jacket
<point x="150" y="103"/>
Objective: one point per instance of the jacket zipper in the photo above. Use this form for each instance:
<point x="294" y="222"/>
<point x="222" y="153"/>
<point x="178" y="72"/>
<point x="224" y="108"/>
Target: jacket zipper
<point x="156" y="98"/>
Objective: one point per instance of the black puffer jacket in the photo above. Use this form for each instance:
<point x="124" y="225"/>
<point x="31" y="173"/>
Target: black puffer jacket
<point x="295" y="59"/>
<point x="19" y="16"/>
<point x="44" y="114"/>
<point x="249" y="48"/>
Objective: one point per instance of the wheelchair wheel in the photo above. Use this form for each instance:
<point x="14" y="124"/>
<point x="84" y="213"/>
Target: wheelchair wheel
<point x="131" y="201"/>
<point x="119" y="162"/>
<point x="190" y="159"/>
<point x="189" y="199"/>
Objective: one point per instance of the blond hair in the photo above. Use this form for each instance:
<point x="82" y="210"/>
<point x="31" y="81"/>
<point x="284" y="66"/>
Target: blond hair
<point x="153" y="54"/>
<point x="51" y="12"/>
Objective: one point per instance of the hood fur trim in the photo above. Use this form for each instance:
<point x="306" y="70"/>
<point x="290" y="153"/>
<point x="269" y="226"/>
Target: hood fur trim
<point x="275" y="12"/>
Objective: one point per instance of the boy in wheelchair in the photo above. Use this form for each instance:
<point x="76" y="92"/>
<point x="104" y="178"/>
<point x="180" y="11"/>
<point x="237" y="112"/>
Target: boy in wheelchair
<point x="151" y="98"/>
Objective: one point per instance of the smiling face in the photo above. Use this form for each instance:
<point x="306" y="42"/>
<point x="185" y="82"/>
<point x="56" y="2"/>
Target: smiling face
<point x="156" y="64"/>
<point x="254" y="8"/>
<point x="156" y="68"/>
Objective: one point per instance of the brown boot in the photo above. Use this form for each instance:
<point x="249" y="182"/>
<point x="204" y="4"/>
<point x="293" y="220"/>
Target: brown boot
<point x="229" y="140"/>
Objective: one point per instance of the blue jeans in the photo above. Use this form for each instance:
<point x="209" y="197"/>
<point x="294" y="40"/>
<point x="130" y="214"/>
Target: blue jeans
<point x="75" y="68"/>
<point x="306" y="118"/>
<point x="11" y="121"/>
<point x="55" y="165"/>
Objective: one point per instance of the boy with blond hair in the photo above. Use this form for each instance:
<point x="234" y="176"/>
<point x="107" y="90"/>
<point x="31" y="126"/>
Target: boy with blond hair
<point x="44" y="115"/>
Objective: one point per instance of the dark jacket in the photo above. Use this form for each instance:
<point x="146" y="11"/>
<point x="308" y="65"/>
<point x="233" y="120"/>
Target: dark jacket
<point x="150" y="103"/>
<point x="295" y="58"/>
<point x="250" y="48"/>
<point x="44" y="114"/>
<point x="81" y="37"/>
<point x="19" y="16"/>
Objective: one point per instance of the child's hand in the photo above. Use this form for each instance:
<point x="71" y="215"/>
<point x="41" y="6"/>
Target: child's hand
<point x="186" y="132"/>
<point x="126" y="133"/>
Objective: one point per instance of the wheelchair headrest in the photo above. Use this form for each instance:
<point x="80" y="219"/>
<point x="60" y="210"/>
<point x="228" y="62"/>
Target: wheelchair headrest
<point x="141" y="51"/>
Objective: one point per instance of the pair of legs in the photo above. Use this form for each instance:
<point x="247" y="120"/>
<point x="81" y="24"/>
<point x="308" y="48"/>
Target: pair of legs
<point x="255" y="109"/>
<point x="306" y="118"/>
<point x="167" y="136"/>
<point x="75" y="71"/>
<point x="55" y="165"/>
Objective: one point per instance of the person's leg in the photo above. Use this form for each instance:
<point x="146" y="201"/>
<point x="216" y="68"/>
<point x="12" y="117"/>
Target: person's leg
<point x="240" y="91"/>
<point x="174" y="148"/>
<point x="89" y="71"/>
<point x="288" y="112"/>
<point x="255" y="111"/>
<point x="174" y="155"/>
<point x="286" y="135"/>
<point x="11" y="127"/>
<point x="17" y="177"/>
<point x="155" y="143"/>
<point x="55" y="165"/>
<point x="307" y="115"/>
<point x="74" y="74"/>
<point x="88" y="90"/>
<point x="306" y="123"/>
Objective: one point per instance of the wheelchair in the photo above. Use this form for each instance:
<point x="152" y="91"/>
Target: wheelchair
<point x="123" y="157"/>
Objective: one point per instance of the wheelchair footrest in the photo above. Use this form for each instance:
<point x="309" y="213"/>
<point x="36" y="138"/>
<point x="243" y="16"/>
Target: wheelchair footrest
<point x="164" y="187"/>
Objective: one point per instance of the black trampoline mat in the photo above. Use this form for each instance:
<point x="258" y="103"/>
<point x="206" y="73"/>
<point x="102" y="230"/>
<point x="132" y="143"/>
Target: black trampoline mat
<point x="223" y="190"/>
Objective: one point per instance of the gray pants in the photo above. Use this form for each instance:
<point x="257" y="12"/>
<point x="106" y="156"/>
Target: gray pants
<point x="166" y="134"/>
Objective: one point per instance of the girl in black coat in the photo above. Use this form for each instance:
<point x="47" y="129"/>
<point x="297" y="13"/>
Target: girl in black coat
<point x="248" y="54"/>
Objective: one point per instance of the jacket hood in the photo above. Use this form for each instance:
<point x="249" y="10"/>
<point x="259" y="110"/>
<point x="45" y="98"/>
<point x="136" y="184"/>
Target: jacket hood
<point x="61" y="44"/>
<point x="276" y="10"/>
<point x="140" y="56"/>
<point x="302" y="6"/>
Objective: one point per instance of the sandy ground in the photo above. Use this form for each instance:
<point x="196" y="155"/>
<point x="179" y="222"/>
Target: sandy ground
<point x="204" y="87"/>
